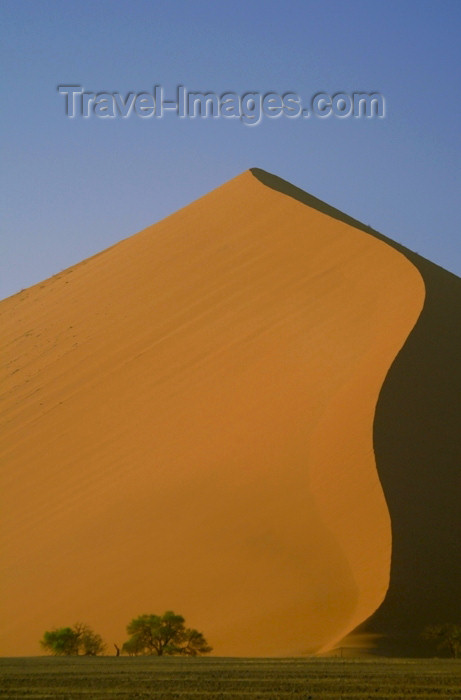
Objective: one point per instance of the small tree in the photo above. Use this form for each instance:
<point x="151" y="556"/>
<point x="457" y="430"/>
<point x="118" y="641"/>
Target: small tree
<point x="60" y="642"/>
<point x="90" y="643"/>
<point x="133" y="646"/>
<point x="164" y="635"/>
<point x="71" y="641"/>
<point x="194" y="643"/>
<point x="447" y="636"/>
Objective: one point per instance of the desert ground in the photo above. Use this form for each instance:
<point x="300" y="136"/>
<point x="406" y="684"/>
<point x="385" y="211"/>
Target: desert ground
<point x="229" y="679"/>
<point x="245" y="413"/>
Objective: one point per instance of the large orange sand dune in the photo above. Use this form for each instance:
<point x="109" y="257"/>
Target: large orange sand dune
<point x="187" y="424"/>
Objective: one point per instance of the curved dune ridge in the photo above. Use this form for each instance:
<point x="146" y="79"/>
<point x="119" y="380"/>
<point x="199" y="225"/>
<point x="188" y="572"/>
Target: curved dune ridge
<point x="417" y="444"/>
<point x="187" y="424"/>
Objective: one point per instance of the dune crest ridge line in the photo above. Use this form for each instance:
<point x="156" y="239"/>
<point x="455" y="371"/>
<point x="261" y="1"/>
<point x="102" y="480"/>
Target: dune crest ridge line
<point x="187" y="424"/>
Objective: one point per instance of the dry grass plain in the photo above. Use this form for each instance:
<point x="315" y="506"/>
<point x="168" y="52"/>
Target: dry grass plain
<point x="228" y="679"/>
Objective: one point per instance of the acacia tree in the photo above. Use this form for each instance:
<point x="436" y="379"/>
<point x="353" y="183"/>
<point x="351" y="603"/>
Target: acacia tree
<point x="60" y="642"/>
<point x="447" y="636"/>
<point x="133" y="646"/>
<point x="164" y="635"/>
<point x="72" y="641"/>
<point x="194" y="643"/>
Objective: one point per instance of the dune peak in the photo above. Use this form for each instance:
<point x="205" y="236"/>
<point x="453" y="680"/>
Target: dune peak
<point x="189" y="424"/>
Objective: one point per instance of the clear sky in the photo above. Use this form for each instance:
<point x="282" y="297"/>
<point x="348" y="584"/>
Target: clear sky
<point x="72" y="187"/>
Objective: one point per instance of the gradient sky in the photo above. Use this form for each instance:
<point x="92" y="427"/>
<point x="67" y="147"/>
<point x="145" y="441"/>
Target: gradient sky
<point x="71" y="188"/>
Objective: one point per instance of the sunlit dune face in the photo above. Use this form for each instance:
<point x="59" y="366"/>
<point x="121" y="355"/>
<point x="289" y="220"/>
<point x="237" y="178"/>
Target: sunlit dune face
<point x="187" y="425"/>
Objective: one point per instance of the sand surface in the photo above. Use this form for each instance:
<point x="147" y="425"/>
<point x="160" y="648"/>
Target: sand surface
<point x="187" y="423"/>
<point x="417" y="444"/>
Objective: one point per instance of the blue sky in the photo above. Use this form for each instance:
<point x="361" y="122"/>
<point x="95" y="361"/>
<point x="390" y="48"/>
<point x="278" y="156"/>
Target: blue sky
<point x="71" y="188"/>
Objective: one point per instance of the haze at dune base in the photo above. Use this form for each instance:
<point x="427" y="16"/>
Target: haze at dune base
<point x="188" y="425"/>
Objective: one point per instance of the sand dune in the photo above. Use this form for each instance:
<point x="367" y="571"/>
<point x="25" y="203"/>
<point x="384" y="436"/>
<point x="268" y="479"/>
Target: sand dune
<point x="187" y="424"/>
<point x="417" y="442"/>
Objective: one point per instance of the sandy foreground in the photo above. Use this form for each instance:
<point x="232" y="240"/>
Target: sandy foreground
<point x="187" y="424"/>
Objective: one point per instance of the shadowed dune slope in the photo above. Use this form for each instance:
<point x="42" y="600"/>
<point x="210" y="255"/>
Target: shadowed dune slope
<point x="187" y="424"/>
<point x="417" y="441"/>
